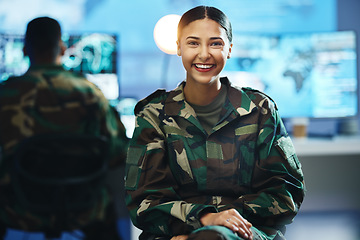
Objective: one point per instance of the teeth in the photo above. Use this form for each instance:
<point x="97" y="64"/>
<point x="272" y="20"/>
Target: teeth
<point x="203" y="66"/>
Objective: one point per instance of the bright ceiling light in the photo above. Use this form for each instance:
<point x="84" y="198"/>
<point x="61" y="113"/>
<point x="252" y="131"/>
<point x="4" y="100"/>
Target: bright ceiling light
<point x="165" y="33"/>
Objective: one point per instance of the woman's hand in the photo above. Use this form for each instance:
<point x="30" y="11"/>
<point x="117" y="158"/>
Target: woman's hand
<point x="180" y="237"/>
<point x="230" y="219"/>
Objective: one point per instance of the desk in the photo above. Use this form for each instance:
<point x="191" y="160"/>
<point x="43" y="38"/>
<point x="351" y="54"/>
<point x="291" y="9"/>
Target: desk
<point x="343" y="145"/>
<point x="332" y="172"/>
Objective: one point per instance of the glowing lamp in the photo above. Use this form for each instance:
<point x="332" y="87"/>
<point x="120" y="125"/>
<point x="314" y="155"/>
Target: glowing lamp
<point x="165" y="33"/>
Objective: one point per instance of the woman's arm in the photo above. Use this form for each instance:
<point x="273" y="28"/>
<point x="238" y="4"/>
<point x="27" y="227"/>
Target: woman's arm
<point x="154" y="205"/>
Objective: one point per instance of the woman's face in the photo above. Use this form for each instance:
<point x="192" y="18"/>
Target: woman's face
<point x="204" y="49"/>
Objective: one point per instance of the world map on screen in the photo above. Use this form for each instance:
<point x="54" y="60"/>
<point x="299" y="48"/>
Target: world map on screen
<point x="307" y="74"/>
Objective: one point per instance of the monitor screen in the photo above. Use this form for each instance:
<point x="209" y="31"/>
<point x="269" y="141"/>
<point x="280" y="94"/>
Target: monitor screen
<point x="93" y="54"/>
<point x="307" y="74"/>
<point x="12" y="60"/>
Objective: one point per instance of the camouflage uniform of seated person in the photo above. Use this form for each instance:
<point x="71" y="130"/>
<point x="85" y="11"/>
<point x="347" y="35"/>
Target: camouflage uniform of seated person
<point x="209" y="160"/>
<point x="49" y="99"/>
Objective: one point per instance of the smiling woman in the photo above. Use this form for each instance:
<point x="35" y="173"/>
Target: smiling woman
<point x="208" y="160"/>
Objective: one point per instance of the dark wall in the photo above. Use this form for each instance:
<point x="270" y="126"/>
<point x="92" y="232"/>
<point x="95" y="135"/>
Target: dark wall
<point x="348" y="12"/>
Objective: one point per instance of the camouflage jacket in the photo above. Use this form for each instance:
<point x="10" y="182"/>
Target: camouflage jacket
<point x="176" y="171"/>
<point x="49" y="99"/>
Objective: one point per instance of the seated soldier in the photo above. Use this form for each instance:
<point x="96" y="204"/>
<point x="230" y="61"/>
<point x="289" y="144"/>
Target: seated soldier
<point x="47" y="99"/>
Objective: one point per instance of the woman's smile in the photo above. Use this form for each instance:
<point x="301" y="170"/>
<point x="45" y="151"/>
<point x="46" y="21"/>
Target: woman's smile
<point x="204" y="67"/>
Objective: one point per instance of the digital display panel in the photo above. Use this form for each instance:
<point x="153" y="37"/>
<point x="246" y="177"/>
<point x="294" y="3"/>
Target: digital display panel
<point x="12" y="60"/>
<point x="307" y="74"/>
<point x="93" y="54"/>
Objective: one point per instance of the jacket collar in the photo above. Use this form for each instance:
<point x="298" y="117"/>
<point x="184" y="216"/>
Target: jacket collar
<point x="37" y="67"/>
<point x="237" y="101"/>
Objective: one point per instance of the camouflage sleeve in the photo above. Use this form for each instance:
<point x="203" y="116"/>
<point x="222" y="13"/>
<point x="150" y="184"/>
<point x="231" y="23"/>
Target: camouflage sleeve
<point x="151" y="188"/>
<point x="277" y="179"/>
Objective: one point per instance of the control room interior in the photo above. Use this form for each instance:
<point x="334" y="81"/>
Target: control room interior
<point x="326" y="139"/>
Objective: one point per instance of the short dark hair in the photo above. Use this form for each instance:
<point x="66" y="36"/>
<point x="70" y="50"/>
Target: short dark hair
<point x="42" y="34"/>
<point x="202" y="12"/>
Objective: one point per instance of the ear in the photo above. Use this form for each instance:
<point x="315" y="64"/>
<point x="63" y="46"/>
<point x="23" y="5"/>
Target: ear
<point x="178" y="48"/>
<point x="62" y="48"/>
<point x="229" y="53"/>
<point x="24" y="51"/>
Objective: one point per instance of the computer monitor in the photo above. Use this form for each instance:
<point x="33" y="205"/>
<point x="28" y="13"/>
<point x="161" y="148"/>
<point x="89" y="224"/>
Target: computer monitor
<point x="93" y="54"/>
<point x="12" y="60"/>
<point x="311" y="75"/>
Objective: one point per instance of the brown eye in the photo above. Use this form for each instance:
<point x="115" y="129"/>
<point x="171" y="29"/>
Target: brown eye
<point x="192" y="43"/>
<point x="217" y="44"/>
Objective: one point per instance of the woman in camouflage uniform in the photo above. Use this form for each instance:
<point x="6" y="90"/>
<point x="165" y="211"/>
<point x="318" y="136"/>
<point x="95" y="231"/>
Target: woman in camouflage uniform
<point x="208" y="160"/>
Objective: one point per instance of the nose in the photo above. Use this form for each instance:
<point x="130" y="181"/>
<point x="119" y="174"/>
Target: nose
<point x="204" y="53"/>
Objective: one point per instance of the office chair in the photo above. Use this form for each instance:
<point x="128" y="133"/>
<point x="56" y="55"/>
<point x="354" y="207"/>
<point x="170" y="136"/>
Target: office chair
<point x="59" y="174"/>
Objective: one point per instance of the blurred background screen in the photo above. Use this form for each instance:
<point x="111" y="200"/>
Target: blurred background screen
<point x="308" y="74"/>
<point x="93" y="54"/>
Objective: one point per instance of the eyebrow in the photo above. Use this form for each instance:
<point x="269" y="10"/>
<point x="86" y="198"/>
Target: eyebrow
<point x="192" y="37"/>
<point x="212" y="38"/>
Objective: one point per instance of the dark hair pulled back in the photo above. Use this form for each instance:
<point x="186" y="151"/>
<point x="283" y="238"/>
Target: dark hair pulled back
<point x="202" y="12"/>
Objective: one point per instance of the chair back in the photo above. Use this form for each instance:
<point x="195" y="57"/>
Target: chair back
<point x="57" y="174"/>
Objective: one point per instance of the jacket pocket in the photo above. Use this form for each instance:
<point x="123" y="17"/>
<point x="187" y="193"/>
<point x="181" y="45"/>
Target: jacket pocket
<point x="179" y="162"/>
